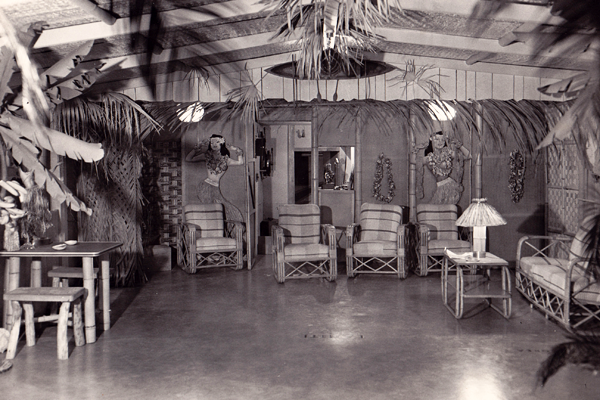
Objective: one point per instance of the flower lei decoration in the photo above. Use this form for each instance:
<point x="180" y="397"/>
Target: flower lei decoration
<point x="517" y="175"/>
<point x="381" y="162"/>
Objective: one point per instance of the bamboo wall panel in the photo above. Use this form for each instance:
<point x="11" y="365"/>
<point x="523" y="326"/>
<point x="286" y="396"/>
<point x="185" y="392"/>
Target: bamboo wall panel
<point x="483" y="85"/>
<point x="518" y="88"/>
<point x="461" y="85"/>
<point x="470" y="83"/>
<point x="530" y="86"/>
<point x="272" y="87"/>
<point x="448" y="81"/>
<point x="503" y="87"/>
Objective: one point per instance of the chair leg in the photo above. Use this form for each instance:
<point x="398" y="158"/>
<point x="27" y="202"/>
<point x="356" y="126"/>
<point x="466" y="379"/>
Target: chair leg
<point x="62" y="343"/>
<point x="13" y="338"/>
<point x="423" y="265"/>
<point x="349" y="267"/>
<point x="78" y="323"/>
<point x="279" y="270"/>
<point x="332" y="269"/>
<point x="29" y="325"/>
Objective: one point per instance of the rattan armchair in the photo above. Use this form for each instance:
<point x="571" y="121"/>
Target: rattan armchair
<point x="438" y="231"/>
<point x="206" y="240"/>
<point x="375" y="243"/>
<point x="302" y="246"/>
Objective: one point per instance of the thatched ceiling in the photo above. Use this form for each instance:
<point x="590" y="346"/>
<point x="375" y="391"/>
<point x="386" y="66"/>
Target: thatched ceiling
<point x="228" y="35"/>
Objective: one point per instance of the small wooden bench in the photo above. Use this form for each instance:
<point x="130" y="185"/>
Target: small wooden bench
<point x="63" y="274"/>
<point x="26" y="296"/>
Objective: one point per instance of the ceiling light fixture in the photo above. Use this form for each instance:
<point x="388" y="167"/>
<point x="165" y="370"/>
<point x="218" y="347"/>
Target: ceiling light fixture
<point x="192" y="113"/>
<point x="441" y="111"/>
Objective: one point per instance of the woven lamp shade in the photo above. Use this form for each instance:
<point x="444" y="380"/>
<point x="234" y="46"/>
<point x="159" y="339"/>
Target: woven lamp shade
<point x="480" y="213"/>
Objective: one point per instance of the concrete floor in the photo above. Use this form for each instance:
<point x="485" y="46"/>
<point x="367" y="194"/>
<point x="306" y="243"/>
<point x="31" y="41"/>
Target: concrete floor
<point x="224" y="334"/>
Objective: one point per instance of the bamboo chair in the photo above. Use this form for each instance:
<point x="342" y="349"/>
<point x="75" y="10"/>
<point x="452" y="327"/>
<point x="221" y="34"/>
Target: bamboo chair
<point x="551" y="272"/>
<point x="374" y="244"/>
<point x="438" y="231"/>
<point x="206" y="240"/>
<point x="303" y="247"/>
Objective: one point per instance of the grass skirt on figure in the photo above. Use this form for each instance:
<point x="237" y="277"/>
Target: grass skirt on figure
<point x="209" y="193"/>
<point x="448" y="191"/>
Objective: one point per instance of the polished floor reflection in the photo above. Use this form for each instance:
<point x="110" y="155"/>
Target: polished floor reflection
<point x="227" y="334"/>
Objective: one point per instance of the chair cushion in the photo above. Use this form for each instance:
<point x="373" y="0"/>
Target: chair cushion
<point x="548" y="272"/>
<point x="382" y="248"/>
<point x="379" y="222"/>
<point x="457" y="246"/>
<point x="215" y="244"/>
<point x="307" y="251"/>
<point x="441" y="219"/>
<point x="209" y="217"/>
<point x="301" y="223"/>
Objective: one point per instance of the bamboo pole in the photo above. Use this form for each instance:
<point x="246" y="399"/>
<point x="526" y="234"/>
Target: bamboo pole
<point x="78" y="323"/>
<point x="314" y="157"/>
<point x="29" y="325"/>
<point x="358" y="166"/>
<point x="62" y="343"/>
<point x="412" y="174"/>
<point x="13" y="338"/>
<point x="478" y="155"/>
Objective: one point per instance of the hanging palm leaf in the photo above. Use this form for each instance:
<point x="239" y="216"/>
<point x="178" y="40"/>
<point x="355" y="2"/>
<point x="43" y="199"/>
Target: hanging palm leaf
<point x="113" y="188"/>
<point x="333" y="29"/>
<point x="579" y="29"/>
<point x="23" y="137"/>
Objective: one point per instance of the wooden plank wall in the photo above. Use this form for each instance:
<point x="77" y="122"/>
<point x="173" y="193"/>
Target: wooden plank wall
<point x="456" y="84"/>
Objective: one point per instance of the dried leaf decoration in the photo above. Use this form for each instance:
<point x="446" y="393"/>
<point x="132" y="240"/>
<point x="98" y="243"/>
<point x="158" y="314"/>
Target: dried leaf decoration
<point x="57" y="142"/>
<point x="25" y="153"/>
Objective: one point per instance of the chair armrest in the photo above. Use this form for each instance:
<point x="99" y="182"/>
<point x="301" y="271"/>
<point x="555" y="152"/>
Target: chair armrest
<point x="352" y="234"/>
<point x="278" y="239"/>
<point x="187" y="231"/>
<point x="541" y="251"/>
<point x="328" y="236"/>
<point x="425" y="235"/>
<point x="189" y="225"/>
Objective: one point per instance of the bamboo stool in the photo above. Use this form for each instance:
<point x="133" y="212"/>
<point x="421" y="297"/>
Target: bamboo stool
<point x="64" y="295"/>
<point x="60" y="278"/>
<point x="60" y="275"/>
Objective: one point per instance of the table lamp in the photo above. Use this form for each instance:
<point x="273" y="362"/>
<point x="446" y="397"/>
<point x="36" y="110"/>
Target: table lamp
<point x="480" y="215"/>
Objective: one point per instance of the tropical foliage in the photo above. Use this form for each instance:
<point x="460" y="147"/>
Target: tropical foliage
<point x="24" y="115"/>
<point x="579" y="31"/>
<point x="333" y="30"/>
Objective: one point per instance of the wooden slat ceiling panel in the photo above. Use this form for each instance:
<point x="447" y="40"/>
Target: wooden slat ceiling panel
<point x="204" y="33"/>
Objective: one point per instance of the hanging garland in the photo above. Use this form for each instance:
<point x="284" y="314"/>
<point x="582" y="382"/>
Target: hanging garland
<point x="517" y="175"/>
<point x="381" y="162"/>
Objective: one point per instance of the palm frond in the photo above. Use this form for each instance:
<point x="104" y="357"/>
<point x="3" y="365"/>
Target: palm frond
<point x="349" y="24"/>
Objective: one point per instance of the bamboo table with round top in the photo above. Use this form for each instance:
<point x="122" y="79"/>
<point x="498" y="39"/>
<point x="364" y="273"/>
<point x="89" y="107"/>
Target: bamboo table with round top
<point x="87" y="251"/>
<point x="476" y="286"/>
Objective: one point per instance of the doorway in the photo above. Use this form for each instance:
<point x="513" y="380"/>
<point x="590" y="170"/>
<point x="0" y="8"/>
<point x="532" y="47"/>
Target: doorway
<point x="302" y="188"/>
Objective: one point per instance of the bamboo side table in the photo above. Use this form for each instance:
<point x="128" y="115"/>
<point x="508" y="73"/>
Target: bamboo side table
<point x="476" y="286"/>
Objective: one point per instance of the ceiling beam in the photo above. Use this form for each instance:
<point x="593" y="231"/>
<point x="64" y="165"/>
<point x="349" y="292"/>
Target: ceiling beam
<point x="512" y="12"/>
<point x="469" y="43"/>
<point x="172" y="18"/>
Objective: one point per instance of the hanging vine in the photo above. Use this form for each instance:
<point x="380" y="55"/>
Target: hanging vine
<point x="382" y="162"/>
<point x="517" y="175"/>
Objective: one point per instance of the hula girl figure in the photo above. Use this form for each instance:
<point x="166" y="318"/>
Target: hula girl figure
<point x="444" y="159"/>
<point x="217" y="155"/>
